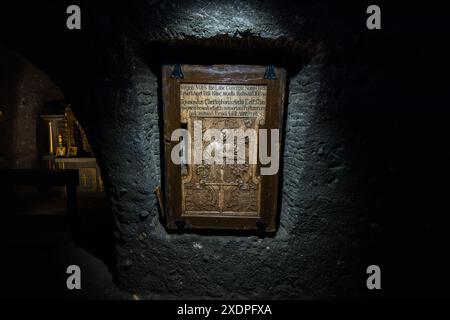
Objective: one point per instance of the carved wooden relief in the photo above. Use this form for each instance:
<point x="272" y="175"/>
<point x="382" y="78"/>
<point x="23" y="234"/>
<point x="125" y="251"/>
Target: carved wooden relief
<point x="220" y="194"/>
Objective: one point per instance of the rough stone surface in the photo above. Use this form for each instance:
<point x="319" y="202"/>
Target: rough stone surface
<point x="23" y="91"/>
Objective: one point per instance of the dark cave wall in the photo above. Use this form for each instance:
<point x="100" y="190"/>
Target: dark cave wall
<point x="343" y="154"/>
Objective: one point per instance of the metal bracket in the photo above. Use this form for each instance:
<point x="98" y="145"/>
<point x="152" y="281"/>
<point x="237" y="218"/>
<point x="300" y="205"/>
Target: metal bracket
<point x="270" y="73"/>
<point x="177" y="72"/>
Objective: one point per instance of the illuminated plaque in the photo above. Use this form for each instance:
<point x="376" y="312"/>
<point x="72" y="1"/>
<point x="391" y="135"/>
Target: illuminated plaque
<point x="222" y="137"/>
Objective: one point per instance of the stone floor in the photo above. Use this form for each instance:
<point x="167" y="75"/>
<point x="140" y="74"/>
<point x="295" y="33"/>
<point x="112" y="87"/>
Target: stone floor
<point x="36" y="248"/>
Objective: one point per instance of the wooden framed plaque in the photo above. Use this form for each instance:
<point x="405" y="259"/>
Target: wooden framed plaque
<point x="222" y="112"/>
